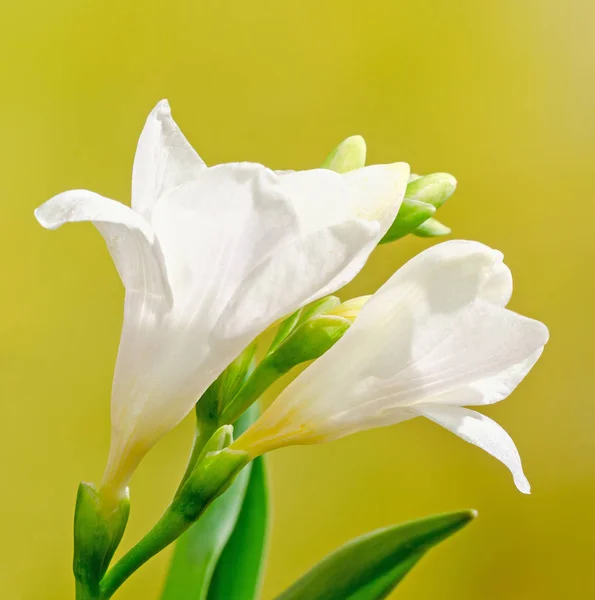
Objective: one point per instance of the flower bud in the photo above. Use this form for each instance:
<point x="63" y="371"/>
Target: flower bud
<point x="349" y="155"/>
<point x="307" y="341"/>
<point x="99" y="524"/>
<point x="212" y="476"/>
<point x="290" y="324"/>
<point x="411" y="215"/>
<point x="350" y="309"/>
<point x="434" y="189"/>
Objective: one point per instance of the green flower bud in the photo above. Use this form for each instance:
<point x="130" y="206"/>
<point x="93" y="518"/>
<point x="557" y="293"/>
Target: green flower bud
<point x="434" y="189"/>
<point x="307" y="341"/>
<point x="212" y="476"/>
<point x="411" y="215"/>
<point x="432" y="228"/>
<point x="99" y="524"/>
<point x="349" y="155"/>
<point x="300" y="316"/>
<point x="423" y="196"/>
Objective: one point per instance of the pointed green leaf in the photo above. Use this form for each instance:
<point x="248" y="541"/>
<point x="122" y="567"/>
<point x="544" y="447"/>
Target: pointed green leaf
<point x="383" y="586"/>
<point x="373" y="559"/>
<point x="431" y="228"/>
<point x="197" y="551"/>
<point x="411" y="215"/>
<point x="239" y="571"/>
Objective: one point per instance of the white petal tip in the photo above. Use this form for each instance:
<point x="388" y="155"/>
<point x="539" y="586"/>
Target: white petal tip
<point x="44" y="214"/>
<point x="162" y="109"/>
<point x="523" y="485"/>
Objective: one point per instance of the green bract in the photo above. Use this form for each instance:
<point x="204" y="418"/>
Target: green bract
<point x="98" y="529"/>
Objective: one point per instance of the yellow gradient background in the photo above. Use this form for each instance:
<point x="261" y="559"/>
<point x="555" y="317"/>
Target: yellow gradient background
<point x="501" y="94"/>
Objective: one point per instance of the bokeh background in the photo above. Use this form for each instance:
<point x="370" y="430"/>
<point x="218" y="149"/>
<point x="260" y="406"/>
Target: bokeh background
<point x="501" y="94"/>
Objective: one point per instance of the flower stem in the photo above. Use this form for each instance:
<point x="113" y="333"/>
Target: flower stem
<point x="167" y="529"/>
<point x="212" y="476"/>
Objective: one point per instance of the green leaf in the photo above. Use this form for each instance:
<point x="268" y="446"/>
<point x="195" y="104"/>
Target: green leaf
<point x="369" y="567"/>
<point x="411" y="215"/>
<point x="239" y="571"/>
<point x="383" y="586"/>
<point x="197" y="551"/>
<point x="432" y="228"/>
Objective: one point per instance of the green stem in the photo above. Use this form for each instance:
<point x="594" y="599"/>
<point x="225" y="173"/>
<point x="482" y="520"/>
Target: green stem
<point x="212" y="476"/>
<point x="167" y="530"/>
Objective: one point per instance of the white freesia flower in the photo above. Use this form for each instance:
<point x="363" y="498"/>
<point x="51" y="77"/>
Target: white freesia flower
<point x="209" y="258"/>
<point x="434" y="338"/>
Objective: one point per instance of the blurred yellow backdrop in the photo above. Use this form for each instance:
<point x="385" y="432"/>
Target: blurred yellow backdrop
<point x="501" y="94"/>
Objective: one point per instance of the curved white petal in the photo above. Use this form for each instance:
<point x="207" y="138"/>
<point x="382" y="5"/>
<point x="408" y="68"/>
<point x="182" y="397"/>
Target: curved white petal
<point x="164" y="159"/>
<point x="481" y="431"/>
<point x="129" y="238"/>
<point x="138" y="259"/>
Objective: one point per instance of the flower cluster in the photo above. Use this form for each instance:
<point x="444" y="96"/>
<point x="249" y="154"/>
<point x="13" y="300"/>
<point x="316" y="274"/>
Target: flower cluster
<point x="211" y="257"/>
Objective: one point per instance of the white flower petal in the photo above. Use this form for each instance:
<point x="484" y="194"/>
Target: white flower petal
<point x="216" y="230"/>
<point x="164" y="159"/>
<point x="130" y="239"/>
<point x="377" y="192"/>
<point x="341" y="220"/>
<point x="137" y="256"/>
<point x="296" y="273"/>
<point x="492" y="389"/>
<point x="323" y="198"/>
<point x="481" y="431"/>
<point x="498" y="287"/>
<point x="443" y="279"/>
